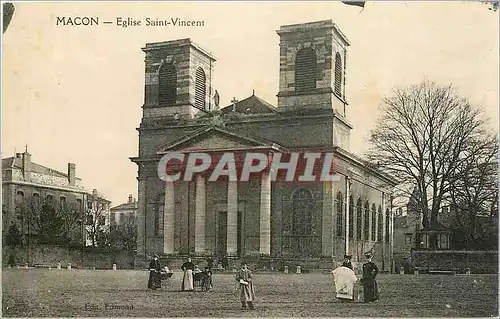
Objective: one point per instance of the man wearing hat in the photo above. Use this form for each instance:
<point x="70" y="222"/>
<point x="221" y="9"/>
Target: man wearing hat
<point x="370" y="272"/>
<point x="345" y="278"/>
<point x="154" y="273"/>
<point x="244" y="278"/>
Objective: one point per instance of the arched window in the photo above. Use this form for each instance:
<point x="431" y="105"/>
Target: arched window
<point x="305" y="70"/>
<point x="158" y="210"/>
<point x="338" y="74"/>
<point x="366" y="222"/>
<point x="200" y="89"/>
<point x="167" y="87"/>
<point x="339" y="206"/>
<point x="380" y="224"/>
<point x="359" y="219"/>
<point x="374" y="222"/>
<point x="301" y="239"/>
<point x="351" y="217"/>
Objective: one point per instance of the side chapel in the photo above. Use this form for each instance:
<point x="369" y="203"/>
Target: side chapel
<point x="260" y="217"/>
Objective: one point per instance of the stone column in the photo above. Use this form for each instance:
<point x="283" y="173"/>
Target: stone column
<point x="169" y="219"/>
<point x="199" y="223"/>
<point x="347" y="212"/>
<point x="265" y="213"/>
<point x="232" y="218"/>
<point x="141" y="218"/>
<point x="384" y="230"/>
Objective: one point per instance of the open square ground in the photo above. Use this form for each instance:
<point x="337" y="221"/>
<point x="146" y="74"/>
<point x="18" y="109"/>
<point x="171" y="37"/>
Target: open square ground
<point x="85" y="293"/>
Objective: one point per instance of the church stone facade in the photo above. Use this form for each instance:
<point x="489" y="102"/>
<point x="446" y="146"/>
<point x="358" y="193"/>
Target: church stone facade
<point x="286" y="220"/>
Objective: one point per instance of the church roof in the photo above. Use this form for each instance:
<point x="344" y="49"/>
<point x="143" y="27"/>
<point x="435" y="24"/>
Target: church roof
<point x="251" y="105"/>
<point x="199" y="134"/>
<point x="125" y="206"/>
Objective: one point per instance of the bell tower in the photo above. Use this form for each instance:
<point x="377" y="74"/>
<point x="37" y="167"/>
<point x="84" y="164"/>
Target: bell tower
<point x="178" y="81"/>
<point x="312" y="67"/>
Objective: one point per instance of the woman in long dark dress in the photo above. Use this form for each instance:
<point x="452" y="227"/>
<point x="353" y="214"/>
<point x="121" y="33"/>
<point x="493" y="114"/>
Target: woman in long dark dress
<point x="370" y="272"/>
<point x="187" y="280"/>
<point x="154" y="273"/>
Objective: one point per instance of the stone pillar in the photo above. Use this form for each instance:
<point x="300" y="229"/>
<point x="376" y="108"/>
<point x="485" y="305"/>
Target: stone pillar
<point x="141" y="217"/>
<point x="347" y="212"/>
<point x="265" y="213"/>
<point x="169" y="219"/>
<point x="199" y="224"/>
<point x="328" y="221"/>
<point x="232" y="218"/>
<point x="384" y="232"/>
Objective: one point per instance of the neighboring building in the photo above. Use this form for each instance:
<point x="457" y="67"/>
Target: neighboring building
<point x="124" y="213"/>
<point x="280" y="219"/>
<point x="25" y="184"/>
<point x="97" y="220"/>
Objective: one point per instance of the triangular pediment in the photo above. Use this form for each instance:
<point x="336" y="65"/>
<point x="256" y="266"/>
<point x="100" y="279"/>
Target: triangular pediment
<point x="214" y="139"/>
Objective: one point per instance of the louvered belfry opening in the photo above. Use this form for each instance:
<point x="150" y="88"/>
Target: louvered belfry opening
<point x="305" y="70"/>
<point x="167" y="90"/>
<point x="338" y="74"/>
<point x="200" y="89"/>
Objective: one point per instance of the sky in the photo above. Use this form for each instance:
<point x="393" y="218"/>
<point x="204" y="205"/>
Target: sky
<point x="74" y="94"/>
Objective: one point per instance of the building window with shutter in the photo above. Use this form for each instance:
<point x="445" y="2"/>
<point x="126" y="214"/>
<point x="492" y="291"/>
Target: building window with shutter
<point x="167" y="87"/>
<point x="374" y="223"/>
<point x="380" y="224"/>
<point x="200" y="89"/>
<point x="351" y="217"/>
<point x="340" y="221"/>
<point x="338" y="74"/>
<point x="305" y="70"/>
<point x="359" y="219"/>
<point x="62" y="203"/>
<point x="366" y="221"/>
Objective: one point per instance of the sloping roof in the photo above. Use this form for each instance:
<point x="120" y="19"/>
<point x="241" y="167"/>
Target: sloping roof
<point x="253" y="141"/>
<point x="125" y="206"/>
<point x="251" y="105"/>
<point x="16" y="162"/>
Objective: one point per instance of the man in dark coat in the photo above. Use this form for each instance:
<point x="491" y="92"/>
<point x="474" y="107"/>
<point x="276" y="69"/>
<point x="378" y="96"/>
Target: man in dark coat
<point x="154" y="273"/>
<point x="370" y="272"/>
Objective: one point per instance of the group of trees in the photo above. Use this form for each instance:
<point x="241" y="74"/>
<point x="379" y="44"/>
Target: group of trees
<point x="44" y="222"/>
<point x="431" y="139"/>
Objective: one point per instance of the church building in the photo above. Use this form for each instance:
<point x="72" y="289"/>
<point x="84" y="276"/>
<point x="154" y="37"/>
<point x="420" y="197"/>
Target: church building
<point x="265" y="218"/>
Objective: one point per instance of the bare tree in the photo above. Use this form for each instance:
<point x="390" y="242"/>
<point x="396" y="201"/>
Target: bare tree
<point x="425" y="137"/>
<point x="96" y="224"/>
<point x="49" y="222"/>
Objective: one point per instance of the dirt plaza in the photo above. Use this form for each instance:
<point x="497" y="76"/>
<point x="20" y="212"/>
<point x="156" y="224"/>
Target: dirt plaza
<point x="123" y="293"/>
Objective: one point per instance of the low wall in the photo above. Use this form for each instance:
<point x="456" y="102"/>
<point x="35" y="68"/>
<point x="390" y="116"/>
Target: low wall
<point x="479" y="262"/>
<point x="49" y="256"/>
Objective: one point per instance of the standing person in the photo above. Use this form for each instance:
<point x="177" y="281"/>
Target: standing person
<point x="370" y="272"/>
<point x="187" y="280"/>
<point x="344" y="278"/>
<point x="247" y="295"/>
<point x="154" y="273"/>
<point x="210" y="262"/>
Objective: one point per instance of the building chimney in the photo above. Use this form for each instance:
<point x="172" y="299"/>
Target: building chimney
<point x="130" y="199"/>
<point x="26" y="165"/>
<point x="72" y="174"/>
<point x="94" y="193"/>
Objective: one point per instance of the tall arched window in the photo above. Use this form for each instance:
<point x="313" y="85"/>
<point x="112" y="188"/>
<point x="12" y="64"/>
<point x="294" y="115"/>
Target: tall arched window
<point x="374" y="222"/>
<point x="340" y="204"/>
<point x="351" y="217"/>
<point x="167" y="87"/>
<point x="200" y="89"/>
<point x="159" y="207"/>
<point x="305" y="70"/>
<point x="302" y="221"/>
<point x="338" y="74"/>
<point x="380" y="224"/>
<point x="359" y="219"/>
<point x="387" y="224"/>
<point x="366" y="222"/>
